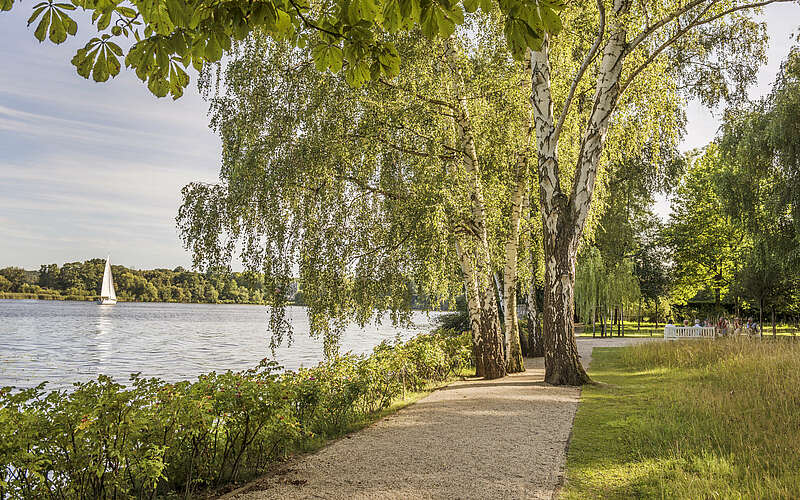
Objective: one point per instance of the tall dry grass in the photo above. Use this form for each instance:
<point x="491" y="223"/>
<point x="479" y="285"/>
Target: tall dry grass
<point x="728" y="416"/>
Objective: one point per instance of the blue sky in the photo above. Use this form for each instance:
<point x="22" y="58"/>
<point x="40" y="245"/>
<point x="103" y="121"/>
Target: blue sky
<point x="87" y="169"/>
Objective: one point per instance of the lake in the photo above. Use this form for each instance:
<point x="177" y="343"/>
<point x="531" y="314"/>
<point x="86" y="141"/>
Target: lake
<point x="64" y="342"/>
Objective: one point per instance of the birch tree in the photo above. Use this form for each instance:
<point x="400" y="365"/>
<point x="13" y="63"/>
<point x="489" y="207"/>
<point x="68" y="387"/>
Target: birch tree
<point x="365" y="189"/>
<point x="630" y="38"/>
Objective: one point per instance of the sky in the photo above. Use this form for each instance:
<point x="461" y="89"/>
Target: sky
<point x="89" y="169"/>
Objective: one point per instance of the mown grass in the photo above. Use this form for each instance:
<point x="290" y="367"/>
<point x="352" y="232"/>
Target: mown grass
<point x="691" y="419"/>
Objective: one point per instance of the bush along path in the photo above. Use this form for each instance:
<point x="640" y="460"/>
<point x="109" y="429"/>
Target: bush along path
<point x="503" y="438"/>
<point x="154" y="439"/>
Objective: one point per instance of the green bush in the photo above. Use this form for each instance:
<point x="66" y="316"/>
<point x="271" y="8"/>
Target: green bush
<point x="153" y="439"/>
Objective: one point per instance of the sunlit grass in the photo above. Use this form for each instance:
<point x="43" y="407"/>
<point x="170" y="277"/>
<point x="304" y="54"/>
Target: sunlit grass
<point x="693" y="419"/>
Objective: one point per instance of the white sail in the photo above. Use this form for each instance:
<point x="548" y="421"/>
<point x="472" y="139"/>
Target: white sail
<point x="107" y="293"/>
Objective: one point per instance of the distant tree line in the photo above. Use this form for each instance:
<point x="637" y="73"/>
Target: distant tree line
<point x="82" y="281"/>
<point x="731" y="246"/>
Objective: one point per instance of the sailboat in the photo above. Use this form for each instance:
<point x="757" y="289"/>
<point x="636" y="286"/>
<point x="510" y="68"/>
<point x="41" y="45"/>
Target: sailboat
<point x="108" y="297"/>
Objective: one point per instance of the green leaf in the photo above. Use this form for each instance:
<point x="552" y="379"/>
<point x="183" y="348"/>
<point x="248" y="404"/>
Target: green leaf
<point x="327" y="56"/>
<point x="177" y="11"/>
<point x="409" y="9"/>
<point x="362" y="9"/>
<point x="69" y="24"/>
<point x="550" y="20"/>
<point x="389" y="60"/>
<point x="41" y="30"/>
<point x="162" y="59"/>
<point x="6" y="5"/>
<point x="456" y="15"/>
<point x="100" y="71"/>
<point x="158" y="85"/>
<point x="126" y="12"/>
<point x="430" y="22"/>
<point x="283" y="23"/>
<point x="336" y="59"/>
<point x="213" y="51"/>
<point x="178" y="80"/>
<point x="392" y="17"/>
<point x="36" y="12"/>
<point x="105" y="20"/>
<point x="357" y="74"/>
<point x="58" y="32"/>
<point x="556" y="5"/>
<point x="471" y="5"/>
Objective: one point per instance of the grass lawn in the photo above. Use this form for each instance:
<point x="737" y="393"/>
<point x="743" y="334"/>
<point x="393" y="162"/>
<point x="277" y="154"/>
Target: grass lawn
<point x="691" y="419"/>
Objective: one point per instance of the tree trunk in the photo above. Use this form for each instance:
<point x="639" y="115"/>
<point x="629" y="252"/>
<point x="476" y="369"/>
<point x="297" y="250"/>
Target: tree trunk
<point x="535" y="340"/>
<point x="656" y="315"/>
<point x="564" y="215"/>
<point x="489" y="351"/>
<point x="472" y="294"/>
<point x="498" y="297"/>
<point x="514" y="360"/>
<point x="602" y="323"/>
<point x="491" y="341"/>
<point x="622" y="313"/>
<point x="562" y="363"/>
<point x="774" y="328"/>
<point x="639" y="319"/>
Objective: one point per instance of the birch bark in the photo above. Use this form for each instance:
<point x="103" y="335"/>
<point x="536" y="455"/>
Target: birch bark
<point x="489" y="342"/>
<point x="563" y="216"/>
<point x="513" y="348"/>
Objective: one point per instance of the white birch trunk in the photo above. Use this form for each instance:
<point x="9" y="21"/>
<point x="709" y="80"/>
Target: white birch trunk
<point x="473" y="305"/>
<point x="490" y="343"/>
<point x="513" y="349"/>
<point x="564" y="217"/>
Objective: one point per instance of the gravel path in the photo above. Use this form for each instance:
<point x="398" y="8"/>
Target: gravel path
<point x="501" y="438"/>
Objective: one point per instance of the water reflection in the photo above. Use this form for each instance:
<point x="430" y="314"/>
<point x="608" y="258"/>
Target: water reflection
<point x="67" y="341"/>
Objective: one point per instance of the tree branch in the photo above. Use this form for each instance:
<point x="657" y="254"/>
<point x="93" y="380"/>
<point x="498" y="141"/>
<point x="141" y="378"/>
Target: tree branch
<point x="436" y="102"/>
<point x="312" y="25"/>
<point x="694" y="3"/>
<point x="661" y="22"/>
<point x="372" y="189"/>
<point x="410" y="130"/>
<point x="697" y="22"/>
<point x="586" y="62"/>
<point x="403" y="149"/>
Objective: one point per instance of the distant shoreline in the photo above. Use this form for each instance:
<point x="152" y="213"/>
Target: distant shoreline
<point x="79" y="298"/>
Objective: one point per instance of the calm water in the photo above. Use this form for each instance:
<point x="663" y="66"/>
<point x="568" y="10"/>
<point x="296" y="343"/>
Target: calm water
<point x="64" y="342"/>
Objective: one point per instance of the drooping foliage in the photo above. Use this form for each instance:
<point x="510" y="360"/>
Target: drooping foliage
<point x="361" y="191"/>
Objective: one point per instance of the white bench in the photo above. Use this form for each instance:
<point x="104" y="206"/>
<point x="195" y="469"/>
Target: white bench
<point x="689" y="332"/>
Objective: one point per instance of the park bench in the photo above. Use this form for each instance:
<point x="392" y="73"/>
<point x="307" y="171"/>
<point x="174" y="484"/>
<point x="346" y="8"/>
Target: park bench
<point x="689" y="332"/>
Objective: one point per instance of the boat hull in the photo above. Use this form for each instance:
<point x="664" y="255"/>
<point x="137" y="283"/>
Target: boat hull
<point x="108" y="302"/>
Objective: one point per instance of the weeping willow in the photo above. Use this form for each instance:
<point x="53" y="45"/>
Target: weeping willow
<point x="599" y="286"/>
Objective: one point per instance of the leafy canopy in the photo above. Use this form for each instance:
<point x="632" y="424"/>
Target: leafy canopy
<point x="346" y="35"/>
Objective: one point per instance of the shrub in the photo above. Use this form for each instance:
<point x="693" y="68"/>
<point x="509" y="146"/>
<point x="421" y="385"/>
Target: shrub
<point x="152" y="438"/>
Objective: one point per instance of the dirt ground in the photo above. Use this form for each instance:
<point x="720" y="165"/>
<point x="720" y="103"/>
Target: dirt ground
<point x="503" y="438"/>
